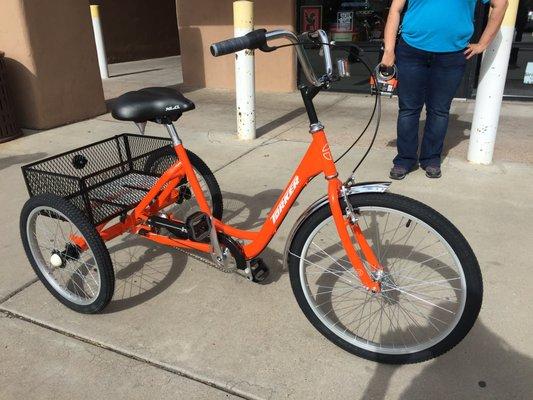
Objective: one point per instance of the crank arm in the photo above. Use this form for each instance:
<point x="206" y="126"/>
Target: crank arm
<point x="216" y="253"/>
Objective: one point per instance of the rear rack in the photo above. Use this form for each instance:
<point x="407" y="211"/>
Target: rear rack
<point x="104" y="179"/>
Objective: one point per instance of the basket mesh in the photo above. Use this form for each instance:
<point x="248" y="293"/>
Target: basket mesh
<point x="104" y="179"/>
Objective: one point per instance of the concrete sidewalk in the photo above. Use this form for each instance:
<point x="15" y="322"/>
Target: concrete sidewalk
<point x="177" y="328"/>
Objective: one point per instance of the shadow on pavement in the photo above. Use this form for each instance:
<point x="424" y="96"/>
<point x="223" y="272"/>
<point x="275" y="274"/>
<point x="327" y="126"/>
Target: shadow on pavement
<point x="248" y="213"/>
<point x="6" y="162"/>
<point x="458" y="131"/>
<point x="144" y="269"/>
<point x="482" y="366"/>
<point x="135" y="72"/>
<point x="262" y="130"/>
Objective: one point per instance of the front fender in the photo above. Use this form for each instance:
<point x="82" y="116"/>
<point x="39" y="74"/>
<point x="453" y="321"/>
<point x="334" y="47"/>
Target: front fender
<point x="358" y="188"/>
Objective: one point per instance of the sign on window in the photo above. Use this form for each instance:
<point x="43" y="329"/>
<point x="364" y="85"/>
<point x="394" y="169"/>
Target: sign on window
<point x="345" y="21"/>
<point x="528" y="76"/>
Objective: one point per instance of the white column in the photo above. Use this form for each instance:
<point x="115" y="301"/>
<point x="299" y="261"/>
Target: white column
<point x="492" y="76"/>
<point x="243" y="20"/>
<point x="99" y="40"/>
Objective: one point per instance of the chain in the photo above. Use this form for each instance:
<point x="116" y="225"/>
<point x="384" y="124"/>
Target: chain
<point x="206" y="261"/>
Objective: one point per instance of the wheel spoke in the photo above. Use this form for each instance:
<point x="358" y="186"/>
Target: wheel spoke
<point x="50" y="232"/>
<point x="335" y="261"/>
<point x="422" y="292"/>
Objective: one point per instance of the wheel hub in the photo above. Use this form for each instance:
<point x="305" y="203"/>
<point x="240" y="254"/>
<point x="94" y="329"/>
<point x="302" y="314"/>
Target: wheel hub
<point x="389" y="292"/>
<point x="56" y="260"/>
<point x="59" y="259"/>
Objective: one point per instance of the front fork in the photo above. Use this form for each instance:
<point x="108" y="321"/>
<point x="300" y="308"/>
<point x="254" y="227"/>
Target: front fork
<point x="343" y="223"/>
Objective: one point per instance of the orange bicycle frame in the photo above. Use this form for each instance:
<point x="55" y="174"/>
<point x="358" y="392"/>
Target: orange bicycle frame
<point x="317" y="159"/>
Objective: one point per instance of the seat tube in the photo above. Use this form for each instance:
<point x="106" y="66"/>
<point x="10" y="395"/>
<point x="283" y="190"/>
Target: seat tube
<point x="173" y="134"/>
<point x="189" y="171"/>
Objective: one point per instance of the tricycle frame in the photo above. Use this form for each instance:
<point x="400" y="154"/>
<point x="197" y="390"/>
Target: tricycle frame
<point x="317" y="159"/>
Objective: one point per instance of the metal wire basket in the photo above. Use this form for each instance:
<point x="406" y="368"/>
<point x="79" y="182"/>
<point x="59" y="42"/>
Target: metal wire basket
<point x="104" y="179"/>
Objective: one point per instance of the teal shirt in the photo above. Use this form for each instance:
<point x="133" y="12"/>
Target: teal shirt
<point x="439" y="25"/>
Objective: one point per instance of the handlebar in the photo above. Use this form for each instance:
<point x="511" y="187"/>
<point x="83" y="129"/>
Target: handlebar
<point x="259" y="39"/>
<point x="253" y="40"/>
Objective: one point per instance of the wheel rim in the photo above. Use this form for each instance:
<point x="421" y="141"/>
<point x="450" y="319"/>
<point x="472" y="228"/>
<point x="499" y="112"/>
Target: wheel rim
<point x="78" y="278"/>
<point x="423" y="289"/>
<point x="191" y="205"/>
<point x="187" y="207"/>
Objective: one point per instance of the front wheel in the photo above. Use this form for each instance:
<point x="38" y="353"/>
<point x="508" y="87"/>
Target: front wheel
<point x="431" y="287"/>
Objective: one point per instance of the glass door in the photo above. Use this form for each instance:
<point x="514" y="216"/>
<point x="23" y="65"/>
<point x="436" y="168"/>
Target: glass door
<point x="361" y="22"/>
<point x="519" y="83"/>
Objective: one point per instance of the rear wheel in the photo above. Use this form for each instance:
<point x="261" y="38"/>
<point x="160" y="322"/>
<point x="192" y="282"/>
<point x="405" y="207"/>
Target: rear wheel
<point x="82" y="280"/>
<point x="159" y="162"/>
<point x="431" y="284"/>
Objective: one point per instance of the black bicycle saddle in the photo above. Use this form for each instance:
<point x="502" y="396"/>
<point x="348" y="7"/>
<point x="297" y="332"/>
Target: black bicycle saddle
<point x="158" y="104"/>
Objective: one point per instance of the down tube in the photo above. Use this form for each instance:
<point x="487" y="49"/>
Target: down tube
<point x="309" y="167"/>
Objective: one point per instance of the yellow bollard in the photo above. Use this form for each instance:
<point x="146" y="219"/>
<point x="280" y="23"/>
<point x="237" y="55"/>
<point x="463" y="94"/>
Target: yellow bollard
<point x="489" y="95"/>
<point x="243" y="21"/>
<point x="99" y="41"/>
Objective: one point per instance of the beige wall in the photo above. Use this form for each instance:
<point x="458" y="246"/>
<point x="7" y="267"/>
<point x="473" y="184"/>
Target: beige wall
<point x="52" y="64"/>
<point x="202" y="22"/>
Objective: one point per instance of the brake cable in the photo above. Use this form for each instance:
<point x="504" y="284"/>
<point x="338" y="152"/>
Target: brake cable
<point x="377" y="102"/>
<point x="377" y="108"/>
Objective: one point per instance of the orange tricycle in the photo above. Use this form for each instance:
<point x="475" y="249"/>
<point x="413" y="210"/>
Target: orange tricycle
<point x="380" y="275"/>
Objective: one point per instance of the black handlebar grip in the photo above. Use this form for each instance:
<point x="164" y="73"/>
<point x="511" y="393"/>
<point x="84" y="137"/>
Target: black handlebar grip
<point x="253" y="40"/>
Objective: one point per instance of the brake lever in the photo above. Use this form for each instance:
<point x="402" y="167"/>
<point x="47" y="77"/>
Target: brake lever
<point x="266" y="48"/>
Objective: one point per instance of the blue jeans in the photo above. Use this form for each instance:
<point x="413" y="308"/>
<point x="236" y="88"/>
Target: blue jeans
<point x="431" y="79"/>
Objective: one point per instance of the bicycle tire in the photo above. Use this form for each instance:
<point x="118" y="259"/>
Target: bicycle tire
<point x="369" y="350"/>
<point x="159" y="162"/>
<point x="61" y="211"/>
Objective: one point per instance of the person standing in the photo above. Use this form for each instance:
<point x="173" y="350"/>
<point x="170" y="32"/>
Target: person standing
<point x="430" y="53"/>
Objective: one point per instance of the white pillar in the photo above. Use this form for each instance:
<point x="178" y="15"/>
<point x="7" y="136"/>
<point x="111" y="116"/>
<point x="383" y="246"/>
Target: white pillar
<point x="243" y="20"/>
<point x="99" y="40"/>
<point x="493" y="74"/>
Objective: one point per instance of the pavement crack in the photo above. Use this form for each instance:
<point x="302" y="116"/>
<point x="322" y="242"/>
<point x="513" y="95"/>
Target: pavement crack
<point x="237" y="158"/>
<point x="17" y="291"/>
<point x="167" y="368"/>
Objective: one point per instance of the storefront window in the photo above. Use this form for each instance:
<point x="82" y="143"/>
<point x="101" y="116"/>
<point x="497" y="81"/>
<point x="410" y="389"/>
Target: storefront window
<point x="519" y="82"/>
<point x="361" y="22"/>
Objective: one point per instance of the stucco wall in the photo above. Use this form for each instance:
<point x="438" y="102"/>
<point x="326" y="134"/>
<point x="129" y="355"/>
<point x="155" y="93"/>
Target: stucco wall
<point x="203" y="22"/>
<point x="51" y="59"/>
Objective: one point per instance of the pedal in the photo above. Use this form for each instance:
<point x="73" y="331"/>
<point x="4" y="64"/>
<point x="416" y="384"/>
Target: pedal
<point x="199" y="226"/>
<point x="256" y="270"/>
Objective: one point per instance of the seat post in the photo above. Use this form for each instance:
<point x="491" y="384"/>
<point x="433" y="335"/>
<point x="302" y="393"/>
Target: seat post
<point x="173" y="133"/>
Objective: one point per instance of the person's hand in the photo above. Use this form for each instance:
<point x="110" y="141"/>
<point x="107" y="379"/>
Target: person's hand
<point x="474" y="49"/>
<point x="388" y="58"/>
